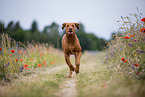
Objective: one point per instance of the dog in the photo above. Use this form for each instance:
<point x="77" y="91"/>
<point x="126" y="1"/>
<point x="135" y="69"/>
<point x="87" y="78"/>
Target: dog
<point x="71" y="46"/>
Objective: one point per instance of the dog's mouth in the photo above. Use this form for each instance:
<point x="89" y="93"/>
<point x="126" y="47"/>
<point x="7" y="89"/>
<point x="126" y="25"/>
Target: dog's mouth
<point x="70" y="32"/>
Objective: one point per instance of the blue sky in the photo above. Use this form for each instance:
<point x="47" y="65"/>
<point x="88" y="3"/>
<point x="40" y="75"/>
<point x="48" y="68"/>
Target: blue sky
<point x="98" y="16"/>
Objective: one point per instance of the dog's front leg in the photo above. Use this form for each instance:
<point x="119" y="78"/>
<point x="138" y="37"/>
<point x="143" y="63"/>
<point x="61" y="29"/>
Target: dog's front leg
<point x="67" y="59"/>
<point x="77" y="61"/>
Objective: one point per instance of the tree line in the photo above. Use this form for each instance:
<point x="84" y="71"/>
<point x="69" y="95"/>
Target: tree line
<point x="50" y="35"/>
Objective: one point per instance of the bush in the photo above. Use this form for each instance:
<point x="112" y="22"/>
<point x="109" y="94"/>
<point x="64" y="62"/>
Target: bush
<point x="127" y="51"/>
<point x="16" y="57"/>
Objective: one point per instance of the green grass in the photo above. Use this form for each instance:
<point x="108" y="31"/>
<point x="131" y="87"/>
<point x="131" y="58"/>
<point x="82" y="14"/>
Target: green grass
<point x="100" y="80"/>
<point x="40" y="84"/>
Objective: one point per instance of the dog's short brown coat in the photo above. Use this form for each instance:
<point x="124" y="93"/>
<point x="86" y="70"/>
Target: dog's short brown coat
<point x="71" y="45"/>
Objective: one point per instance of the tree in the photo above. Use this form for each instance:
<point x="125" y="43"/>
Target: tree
<point x="34" y="26"/>
<point x="17" y="26"/>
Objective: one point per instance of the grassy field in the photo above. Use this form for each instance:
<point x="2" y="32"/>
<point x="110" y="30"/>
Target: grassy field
<point x="39" y="70"/>
<point x="100" y="80"/>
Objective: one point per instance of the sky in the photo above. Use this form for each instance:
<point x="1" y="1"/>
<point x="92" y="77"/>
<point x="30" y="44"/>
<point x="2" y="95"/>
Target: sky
<point x="97" y="16"/>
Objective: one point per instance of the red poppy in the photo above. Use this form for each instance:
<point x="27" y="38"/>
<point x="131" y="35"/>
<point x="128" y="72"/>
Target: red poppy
<point x="126" y="37"/>
<point x="104" y="86"/>
<point x="41" y="52"/>
<point x="21" y="59"/>
<point x="137" y="65"/>
<point x="0" y="49"/>
<point x="143" y="19"/>
<point x="52" y="62"/>
<point x="38" y="49"/>
<point x="44" y="63"/>
<point x="123" y="60"/>
<point x="12" y="51"/>
<point x="16" y="60"/>
<point x="143" y="30"/>
<point x="39" y="65"/>
<point x="25" y="51"/>
<point x="36" y="45"/>
<point x="20" y="52"/>
<point x="25" y="66"/>
<point x="132" y="35"/>
<point x="137" y="73"/>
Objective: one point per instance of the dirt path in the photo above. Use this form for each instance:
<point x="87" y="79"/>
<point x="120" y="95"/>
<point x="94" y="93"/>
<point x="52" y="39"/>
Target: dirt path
<point x="68" y="88"/>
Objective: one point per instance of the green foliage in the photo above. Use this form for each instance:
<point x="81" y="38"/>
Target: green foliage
<point x="50" y="35"/>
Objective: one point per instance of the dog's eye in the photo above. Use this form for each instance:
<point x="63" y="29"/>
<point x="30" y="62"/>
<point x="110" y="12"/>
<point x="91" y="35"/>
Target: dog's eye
<point x="67" y="25"/>
<point x="72" y="25"/>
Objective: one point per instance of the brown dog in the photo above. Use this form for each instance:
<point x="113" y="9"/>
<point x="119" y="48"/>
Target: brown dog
<point x="71" y="46"/>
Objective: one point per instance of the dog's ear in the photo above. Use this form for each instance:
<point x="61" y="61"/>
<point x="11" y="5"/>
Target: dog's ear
<point x="63" y="25"/>
<point x="77" y="25"/>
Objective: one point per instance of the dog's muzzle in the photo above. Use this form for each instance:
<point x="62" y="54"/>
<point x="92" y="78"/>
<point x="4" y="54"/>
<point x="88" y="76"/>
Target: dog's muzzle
<point x="70" y="31"/>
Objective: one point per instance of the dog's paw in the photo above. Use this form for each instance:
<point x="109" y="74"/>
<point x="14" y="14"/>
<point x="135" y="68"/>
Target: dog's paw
<point x="77" y="71"/>
<point x="72" y="68"/>
<point x="69" y="76"/>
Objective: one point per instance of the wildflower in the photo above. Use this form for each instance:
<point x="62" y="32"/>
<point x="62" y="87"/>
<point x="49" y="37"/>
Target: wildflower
<point x="12" y="51"/>
<point x="120" y="49"/>
<point x="130" y="45"/>
<point x="25" y="66"/>
<point x="104" y="86"/>
<point x="140" y="51"/>
<point x="7" y="64"/>
<point x="137" y="73"/>
<point x="16" y="60"/>
<point x="132" y="35"/>
<point x="36" y="45"/>
<point x="21" y="59"/>
<point x="41" y="52"/>
<point x="134" y="40"/>
<point x="143" y="30"/>
<point x="25" y="52"/>
<point x="39" y="65"/>
<point x="20" y="52"/>
<point x="0" y="48"/>
<point x="143" y="19"/>
<point x="126" y="37"/>
<point x="52" y="62"/>
<point x="124" y="60"/>
<point x="38" y="49"/>
<point x="44" y="63"/>
<point x="136" y="65"/>
<point x="22" y="69"/>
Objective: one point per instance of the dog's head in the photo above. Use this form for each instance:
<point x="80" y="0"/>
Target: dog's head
<point x="70" y="28"/>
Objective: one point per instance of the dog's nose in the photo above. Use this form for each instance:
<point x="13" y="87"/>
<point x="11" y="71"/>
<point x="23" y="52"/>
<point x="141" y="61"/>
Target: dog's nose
<point x="70" y="28"/>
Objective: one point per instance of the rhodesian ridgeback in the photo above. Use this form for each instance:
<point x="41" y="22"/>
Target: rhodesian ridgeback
<point x="71" y="46"/>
